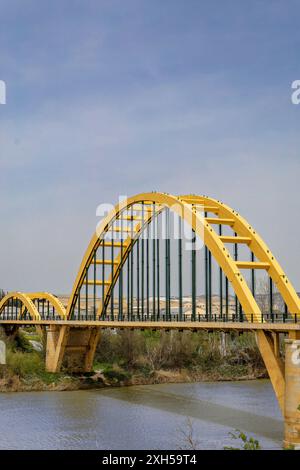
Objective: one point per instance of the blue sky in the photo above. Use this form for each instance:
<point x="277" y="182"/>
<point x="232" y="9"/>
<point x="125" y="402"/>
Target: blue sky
<point x="117" y="97"/>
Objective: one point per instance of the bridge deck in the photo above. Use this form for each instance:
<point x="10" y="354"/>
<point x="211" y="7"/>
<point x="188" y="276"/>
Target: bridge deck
<point x="158" y="325"/>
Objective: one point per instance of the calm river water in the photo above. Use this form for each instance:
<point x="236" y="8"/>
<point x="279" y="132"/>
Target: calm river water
<point x="141" y="417"/>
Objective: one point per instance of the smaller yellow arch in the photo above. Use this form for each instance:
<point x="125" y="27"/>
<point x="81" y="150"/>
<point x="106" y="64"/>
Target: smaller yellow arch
<point x="26" y="302"/>
<point x="52" y="299"/>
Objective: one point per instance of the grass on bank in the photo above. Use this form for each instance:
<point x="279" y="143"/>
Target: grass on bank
<point x="24" y="363"/>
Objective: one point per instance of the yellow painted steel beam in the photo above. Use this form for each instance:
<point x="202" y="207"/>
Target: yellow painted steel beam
<point x="100" y="261"/>
<point x="97" y="282"/>
<point x="237" y="239"/>
<point x="115" y="244"/>
<point x="219" y="221"/>
<point x="213" y="209"/>
<point x="120" y="229"/>
<point x="190" y="199"/>
<point x="293" y="329"/>
<point x="252" y="265"/>
<point x="206" y="209"/>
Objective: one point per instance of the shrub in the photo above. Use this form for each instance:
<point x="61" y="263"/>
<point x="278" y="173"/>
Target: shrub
<point x="248" y="443"/>
<point x="153" y="350"/>
<point x="25" y="364"/>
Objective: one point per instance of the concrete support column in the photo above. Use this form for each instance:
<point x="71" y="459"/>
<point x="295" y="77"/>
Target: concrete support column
<point x="51" y="341"/>
<point x="292" y="394"/>
<point x="74" y="348"/>
<point x="57" y="337"/>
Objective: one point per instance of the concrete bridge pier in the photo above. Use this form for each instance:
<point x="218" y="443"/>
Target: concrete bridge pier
<point x="73" y="348"/>
<point x="292" y="394"/>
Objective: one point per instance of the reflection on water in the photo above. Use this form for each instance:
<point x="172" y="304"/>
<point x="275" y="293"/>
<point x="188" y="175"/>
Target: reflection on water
<point x="141" y="417"/>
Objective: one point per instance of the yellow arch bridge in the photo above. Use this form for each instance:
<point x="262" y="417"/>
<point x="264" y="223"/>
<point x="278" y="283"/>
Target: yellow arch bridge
<point x="174" y="262"/>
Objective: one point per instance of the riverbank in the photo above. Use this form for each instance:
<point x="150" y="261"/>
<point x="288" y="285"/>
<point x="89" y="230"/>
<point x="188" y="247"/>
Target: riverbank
<point x="61" y="382"/>
<point x="35" y="378"/>
<point x="136" y="358"/>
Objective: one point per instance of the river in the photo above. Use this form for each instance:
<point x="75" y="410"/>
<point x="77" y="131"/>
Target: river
<point x="141" y="417"/>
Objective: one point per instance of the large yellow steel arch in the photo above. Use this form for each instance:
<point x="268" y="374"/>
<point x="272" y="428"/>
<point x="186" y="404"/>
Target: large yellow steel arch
<point x="191" y="208"/>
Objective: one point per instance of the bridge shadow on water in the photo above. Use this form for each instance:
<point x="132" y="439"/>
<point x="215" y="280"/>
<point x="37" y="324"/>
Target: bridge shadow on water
<point x="197" y="408"/>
